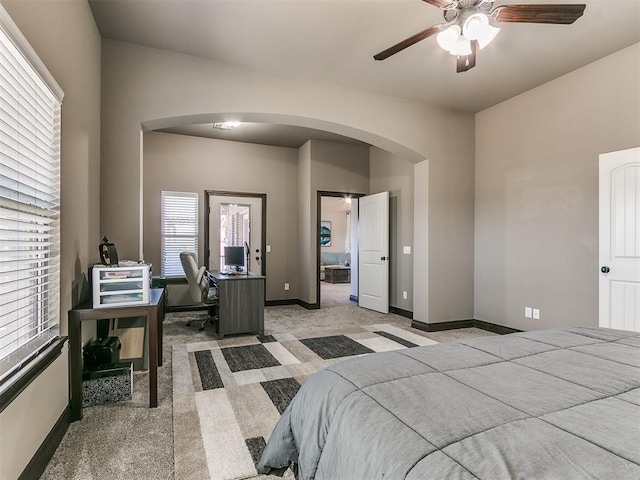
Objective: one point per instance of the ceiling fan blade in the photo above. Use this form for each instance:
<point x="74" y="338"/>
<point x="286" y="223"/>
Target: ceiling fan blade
<point x="438" y="3"/>
<point x="467" y="62"/>
<point x="563" y="14"/>
<point x="407" y="43"/>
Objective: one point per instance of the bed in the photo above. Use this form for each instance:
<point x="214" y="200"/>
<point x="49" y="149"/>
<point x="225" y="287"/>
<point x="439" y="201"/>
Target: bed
<point x="552" y="404"/>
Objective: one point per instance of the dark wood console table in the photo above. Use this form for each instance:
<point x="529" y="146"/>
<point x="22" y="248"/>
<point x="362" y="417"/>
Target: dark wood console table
<point x="241" y="303"/>
<point x="154" y="312"/>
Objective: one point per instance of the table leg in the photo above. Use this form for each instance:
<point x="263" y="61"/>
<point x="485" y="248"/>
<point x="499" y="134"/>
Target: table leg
<point x="75" y="367"/>
<point x="153" y="356"/>
<point x="160" y="321"/>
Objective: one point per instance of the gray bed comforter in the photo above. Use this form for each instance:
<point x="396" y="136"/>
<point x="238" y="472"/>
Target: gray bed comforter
<point x="554" y="404"/>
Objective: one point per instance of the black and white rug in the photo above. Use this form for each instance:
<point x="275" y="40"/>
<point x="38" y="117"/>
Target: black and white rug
<point x="229" y="394"/>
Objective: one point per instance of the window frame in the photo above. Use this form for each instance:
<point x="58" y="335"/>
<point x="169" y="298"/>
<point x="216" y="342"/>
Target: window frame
<point x="23" y="364"/>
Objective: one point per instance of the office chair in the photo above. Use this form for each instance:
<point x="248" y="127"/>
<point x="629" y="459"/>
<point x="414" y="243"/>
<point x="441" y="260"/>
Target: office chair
<point x="200" y="291"/>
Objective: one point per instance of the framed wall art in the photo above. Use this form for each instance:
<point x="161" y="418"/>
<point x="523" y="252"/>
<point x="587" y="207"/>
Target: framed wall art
<point x="325" y="234"/>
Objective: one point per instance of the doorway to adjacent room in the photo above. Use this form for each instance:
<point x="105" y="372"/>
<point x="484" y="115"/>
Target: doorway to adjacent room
<point x="337" y="248"/>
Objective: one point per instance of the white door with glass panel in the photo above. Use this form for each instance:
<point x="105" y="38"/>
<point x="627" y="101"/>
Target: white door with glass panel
<point x="235" y="222"/>
<point x="373" y="252"/>
<point x="620" y="240"/>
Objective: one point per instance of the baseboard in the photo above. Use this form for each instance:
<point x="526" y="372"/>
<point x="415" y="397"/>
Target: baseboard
<point x="440" y="326"/>
<point x="40" y="460"/>
<point x="276" y="303"/>
<point x="308" y="306"/>
<point x="401" y="312"/>
<point x="492" y="327"/>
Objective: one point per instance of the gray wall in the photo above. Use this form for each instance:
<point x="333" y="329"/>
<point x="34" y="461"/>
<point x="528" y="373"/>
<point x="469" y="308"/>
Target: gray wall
<point x="420" y="250"/>
<point x="395" y="175"/>
<point x="307" y="259"/>
<point x="536" y="220"/>
<point x="234" y="166"/>
<point x="192" y="164"/>
<point x="328" y="167"/>
<point x="154" y="89"/>
<point x="334" y="167"/>
<point x="450" y="206"/>
<point x="65" y="37"/>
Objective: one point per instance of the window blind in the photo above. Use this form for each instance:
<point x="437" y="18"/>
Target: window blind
<point x="29" y="202"/>
<point x="179" y="230"/>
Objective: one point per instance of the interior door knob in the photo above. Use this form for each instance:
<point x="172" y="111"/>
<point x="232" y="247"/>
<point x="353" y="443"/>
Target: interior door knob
<point x="605" y="269"/>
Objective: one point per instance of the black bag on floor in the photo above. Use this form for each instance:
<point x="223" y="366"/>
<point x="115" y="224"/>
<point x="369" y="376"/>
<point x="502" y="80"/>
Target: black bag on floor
<point x="101" y="351"/>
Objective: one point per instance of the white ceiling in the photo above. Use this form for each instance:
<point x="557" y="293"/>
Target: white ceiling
<point x="333" y="41"/>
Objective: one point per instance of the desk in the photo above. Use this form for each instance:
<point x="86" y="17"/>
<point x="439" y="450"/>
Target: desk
<point x="240" y="303"/>
<point x="85" y="311"/>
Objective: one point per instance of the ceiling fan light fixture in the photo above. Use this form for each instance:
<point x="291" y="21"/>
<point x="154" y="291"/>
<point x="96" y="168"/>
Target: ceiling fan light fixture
<point x="477" y="27"/>
<point x="448" y="38"/>
<point x="486" y="37"/>
<point x="468" y="25"/>
<point x="474" y="26"/>
<point x="462" y="47"/>
<point x="457" y="39"/>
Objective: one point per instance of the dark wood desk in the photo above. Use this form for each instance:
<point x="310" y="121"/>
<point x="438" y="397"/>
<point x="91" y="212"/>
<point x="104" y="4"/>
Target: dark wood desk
<point x="240" y="303"/>
<point x="154" y="312"/>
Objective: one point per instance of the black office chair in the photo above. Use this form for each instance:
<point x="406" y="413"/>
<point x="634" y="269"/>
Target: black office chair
<point x="201" y="291"/>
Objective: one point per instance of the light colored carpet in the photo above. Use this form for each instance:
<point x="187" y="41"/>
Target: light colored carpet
<point x="129" y="441"/>
<point x="229" y="394"/>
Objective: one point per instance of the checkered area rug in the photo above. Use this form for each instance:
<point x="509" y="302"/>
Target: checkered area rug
<point x="229" y="394"/>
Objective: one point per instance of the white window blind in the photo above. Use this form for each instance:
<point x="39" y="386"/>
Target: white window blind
<point x="179" y="230"/>
<point x="29" y="202"/>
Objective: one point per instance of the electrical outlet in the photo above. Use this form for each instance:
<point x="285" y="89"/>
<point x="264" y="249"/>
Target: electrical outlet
<point x="268" y="248"/>
<point x="536" y="313"/>
<point x="404" y="295"/>
<point x="406" y="250"/>
<point x="527" y="312"/>
<point x="286" y="286"/>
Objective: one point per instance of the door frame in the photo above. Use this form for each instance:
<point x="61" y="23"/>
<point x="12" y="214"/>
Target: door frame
<point x="320" y="194"/>
<point x="207" y="210"/>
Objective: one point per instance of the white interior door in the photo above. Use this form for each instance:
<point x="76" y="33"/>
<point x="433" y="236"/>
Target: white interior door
<point x="373" y="252"/>
<point x="247" y="228"/>
<point x="620" y="240"/>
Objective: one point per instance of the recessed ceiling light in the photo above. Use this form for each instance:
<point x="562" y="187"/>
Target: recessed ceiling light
<point x="226" y="125"/>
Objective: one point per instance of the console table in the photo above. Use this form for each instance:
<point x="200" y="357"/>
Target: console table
<point x="154" y="312"/>
<point x="337" y="274"/>
<point x="240" y="303"/>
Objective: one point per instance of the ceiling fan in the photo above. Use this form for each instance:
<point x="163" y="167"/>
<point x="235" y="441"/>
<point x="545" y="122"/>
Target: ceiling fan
<point x="468" y="25"/>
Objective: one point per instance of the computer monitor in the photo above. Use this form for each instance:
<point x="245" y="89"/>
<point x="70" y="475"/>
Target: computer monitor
<point x="234" y="257"/>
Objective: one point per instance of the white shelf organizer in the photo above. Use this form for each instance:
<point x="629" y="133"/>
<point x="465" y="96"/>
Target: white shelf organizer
<point x="121" y="286"/>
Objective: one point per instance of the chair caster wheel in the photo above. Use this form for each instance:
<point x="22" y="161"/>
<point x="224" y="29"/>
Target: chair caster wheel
<point x="201" y="329"/>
